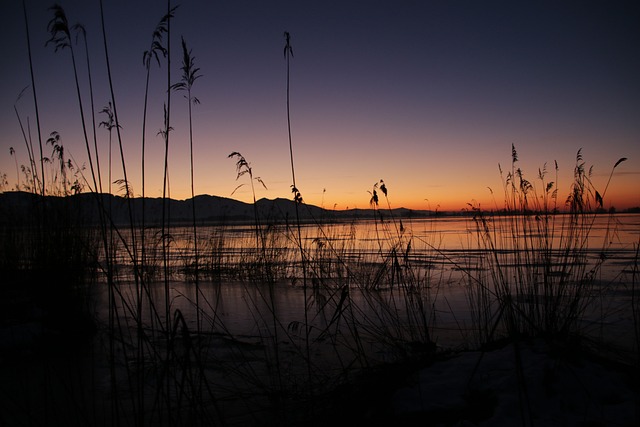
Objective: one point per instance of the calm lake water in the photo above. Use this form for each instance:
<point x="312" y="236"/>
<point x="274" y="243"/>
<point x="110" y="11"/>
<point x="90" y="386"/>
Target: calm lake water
<point x="443" y="243"/>
<point x="382" y="264"/>
<point x="273" y="322"/>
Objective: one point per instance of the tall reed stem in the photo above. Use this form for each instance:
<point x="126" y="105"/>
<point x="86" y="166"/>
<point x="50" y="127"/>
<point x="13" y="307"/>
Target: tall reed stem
<point x="288" y="54"/>
<point x="156" y="50"/>
<point x="189" y="76"/>
<point x="165" y="214"/>
<point x="128" y="195"/>
<point x="83" y="32"/>
<point x="35" y="101"/>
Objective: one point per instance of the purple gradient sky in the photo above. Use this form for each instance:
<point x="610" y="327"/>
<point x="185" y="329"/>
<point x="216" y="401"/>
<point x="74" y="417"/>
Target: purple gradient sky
<point x="428" y="96"/>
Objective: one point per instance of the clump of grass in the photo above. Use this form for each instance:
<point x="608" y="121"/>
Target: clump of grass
<point x="539" y="277"/>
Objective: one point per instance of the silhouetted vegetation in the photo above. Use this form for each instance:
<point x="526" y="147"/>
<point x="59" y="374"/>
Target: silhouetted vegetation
<point x="148" y="293"/>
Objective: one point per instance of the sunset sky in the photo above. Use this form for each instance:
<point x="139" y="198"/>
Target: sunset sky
<point x="428" y="96"/>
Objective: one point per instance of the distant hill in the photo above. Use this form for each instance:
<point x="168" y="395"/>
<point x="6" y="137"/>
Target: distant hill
<point x="209" y="209"/>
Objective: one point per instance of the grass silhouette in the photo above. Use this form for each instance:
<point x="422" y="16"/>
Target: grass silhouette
<point x="320" y="303"/>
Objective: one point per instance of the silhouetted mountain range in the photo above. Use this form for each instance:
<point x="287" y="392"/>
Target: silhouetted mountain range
<point x="209" y="209"/>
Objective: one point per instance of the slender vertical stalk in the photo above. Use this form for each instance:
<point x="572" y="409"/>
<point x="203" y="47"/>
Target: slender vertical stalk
<point x="189" y="76"/>
<point x="288" y="54"/>
<point x="155" y="51"/>
<point x="193" y="204"/>
<point x="138" y="410"/>
<point x="128" y="191"/>
<point x="35" y="101"/>
<point x="110" y="253"/>
<point x="165" y="214"/>
<point x="165" y="180"/>
<point x="108" y="124"/>
<point x="83" y="32"/>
